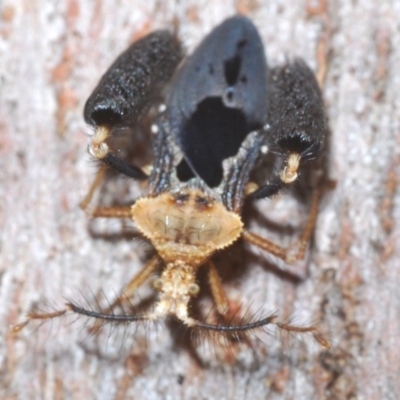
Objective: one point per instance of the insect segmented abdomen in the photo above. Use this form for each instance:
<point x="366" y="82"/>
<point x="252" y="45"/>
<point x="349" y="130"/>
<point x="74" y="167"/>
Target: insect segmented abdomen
<point x="126" y="90"/>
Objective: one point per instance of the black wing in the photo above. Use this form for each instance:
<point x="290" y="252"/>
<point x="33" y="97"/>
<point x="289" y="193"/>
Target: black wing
<point x="218" y="97"/>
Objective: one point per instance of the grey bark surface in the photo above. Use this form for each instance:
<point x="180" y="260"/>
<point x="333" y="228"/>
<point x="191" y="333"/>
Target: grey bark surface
<point x="51" y="56"/>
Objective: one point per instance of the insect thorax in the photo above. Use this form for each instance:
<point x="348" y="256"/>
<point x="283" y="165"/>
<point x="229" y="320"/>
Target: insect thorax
<point x="187" y="226"/>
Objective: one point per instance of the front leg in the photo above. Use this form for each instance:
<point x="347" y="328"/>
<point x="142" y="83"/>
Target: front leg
<point x="297" y="251"/>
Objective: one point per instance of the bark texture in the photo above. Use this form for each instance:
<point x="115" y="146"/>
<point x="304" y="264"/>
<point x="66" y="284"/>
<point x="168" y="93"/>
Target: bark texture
<point x="52" y="53"/>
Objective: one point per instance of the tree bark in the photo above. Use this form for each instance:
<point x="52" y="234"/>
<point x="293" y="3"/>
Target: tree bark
<point x="52" y="54"/>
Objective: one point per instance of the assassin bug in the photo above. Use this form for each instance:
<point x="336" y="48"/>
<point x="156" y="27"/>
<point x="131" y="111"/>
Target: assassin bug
<point x="223" y="108"/>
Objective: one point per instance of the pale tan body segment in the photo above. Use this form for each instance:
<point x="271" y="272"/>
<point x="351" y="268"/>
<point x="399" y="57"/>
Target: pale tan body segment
<point x="185" y="229"/>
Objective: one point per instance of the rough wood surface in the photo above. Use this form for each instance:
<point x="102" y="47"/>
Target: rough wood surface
<point x="51" y="56"/>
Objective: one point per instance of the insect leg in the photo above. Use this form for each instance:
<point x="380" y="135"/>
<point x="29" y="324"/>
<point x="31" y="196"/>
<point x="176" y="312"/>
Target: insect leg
<point x="107" y="314"/>
<point x="102" y="317"/>
<point x="100" y="150"/>
<point x="112" y="212"/>
<point x="265" y="244"/>
<point x="33" y="315"/>
<point x="221" y="300"/>
<point x="306" y="329"/>
<point x="295" y="252"/>
<point x="126" y="294"/>
<point x="219" y="295"/>
<point x="287" y="175"/>
<point x="137" y="281"/>
<point x="88" y="198"/>
<point x="236" y="327"/>
<point x="310" y="225"/>
<point x="107" y="212"/>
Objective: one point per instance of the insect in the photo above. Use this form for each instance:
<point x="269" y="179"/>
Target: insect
<point x="222" y="108"/>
